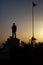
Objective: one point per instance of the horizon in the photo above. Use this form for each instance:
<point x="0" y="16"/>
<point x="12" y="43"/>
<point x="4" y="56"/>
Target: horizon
<point x="20" y="13"/>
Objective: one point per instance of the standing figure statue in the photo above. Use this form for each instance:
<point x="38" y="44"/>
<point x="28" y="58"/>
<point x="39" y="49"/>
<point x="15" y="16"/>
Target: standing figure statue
<point x="14" y="29"/>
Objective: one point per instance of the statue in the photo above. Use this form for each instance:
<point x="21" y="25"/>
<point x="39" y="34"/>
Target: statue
<point x="14" y="29"/>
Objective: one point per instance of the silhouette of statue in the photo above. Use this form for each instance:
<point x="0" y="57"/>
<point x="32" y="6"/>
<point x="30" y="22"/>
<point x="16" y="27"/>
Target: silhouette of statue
<point x="14" y="29"/>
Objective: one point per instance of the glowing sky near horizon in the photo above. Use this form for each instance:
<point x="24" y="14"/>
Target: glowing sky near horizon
<point x="20" y="12"/>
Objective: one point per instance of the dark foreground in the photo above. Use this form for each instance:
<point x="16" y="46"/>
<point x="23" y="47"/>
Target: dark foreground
<point x="21" y="55"/>
<point x="12" y="53"/>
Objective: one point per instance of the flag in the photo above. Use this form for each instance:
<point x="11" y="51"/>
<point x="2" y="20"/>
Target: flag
<point x="34" y="4"/>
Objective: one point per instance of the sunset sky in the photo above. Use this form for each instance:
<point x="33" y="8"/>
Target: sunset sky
<point x="20" y="12"/>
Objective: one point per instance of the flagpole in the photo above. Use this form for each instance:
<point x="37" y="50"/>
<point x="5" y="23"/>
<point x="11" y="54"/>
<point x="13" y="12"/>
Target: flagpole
<point x="32" y="21"/>
<point x="33" y="38"/>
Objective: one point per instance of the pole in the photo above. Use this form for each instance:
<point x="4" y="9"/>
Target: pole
<point x="32" y="20"/>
